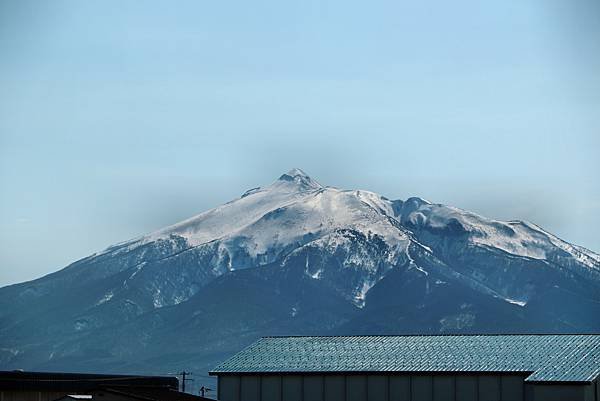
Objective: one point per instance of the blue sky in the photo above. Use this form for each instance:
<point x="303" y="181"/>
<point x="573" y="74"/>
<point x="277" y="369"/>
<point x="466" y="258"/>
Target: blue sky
<point x="119" y="117"/>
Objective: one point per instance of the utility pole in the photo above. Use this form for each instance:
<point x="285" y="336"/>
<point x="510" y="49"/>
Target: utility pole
<point x="183" y="375"/>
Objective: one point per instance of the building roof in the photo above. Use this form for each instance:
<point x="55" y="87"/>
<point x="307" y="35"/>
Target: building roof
<point x="544" y="358"/>
<point x="19" y="380"/>
<point x="153" y="394"/>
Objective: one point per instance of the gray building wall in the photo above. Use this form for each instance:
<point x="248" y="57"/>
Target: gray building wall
<point x="417" y="387"/>
<point x="563" y="392"/>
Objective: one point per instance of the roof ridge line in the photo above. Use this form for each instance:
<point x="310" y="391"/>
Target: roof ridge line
<point x="434" y="335"/>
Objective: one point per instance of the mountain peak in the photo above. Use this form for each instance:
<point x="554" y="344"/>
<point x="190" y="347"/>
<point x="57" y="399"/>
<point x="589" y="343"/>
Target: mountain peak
<point x="299" y="177"/>
<point x="296" y="172"/>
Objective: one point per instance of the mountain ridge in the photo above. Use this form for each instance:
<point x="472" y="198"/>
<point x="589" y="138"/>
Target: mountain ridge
<point x="297" y="257"/>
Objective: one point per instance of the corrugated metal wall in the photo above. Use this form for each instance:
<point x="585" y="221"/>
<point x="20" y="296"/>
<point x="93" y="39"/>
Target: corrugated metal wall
<point x="398" y="388"/>
<point x="561" y="392"/>
<point x="371" y="388"/>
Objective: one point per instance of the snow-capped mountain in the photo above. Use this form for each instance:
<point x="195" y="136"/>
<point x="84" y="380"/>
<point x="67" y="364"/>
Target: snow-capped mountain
<point x="297" y="257"/>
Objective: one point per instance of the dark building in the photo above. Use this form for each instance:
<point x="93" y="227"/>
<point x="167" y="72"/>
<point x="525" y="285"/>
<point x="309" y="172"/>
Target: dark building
<point x="45" y="386"/>
<point x="414" y="368"/>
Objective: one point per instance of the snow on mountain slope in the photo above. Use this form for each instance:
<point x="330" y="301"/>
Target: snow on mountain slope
<point x="299" y="206"/>
<point x="296" y="213"/>
<point x="317" y="214"/>
<point x="261" y="227"/>
<point x="235" y="215"/>
<point x="292" y="211"/>
<point x="514" y="237"/>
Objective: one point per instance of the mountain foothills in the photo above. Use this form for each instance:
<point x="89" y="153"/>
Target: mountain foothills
<point x="296" y="257"/>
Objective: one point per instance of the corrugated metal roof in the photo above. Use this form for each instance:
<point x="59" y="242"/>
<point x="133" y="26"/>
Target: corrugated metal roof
<point x="548" y="358"/>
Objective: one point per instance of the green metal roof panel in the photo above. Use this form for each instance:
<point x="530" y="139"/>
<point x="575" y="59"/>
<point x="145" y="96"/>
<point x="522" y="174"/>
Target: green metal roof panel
<point x="547" y="358"/>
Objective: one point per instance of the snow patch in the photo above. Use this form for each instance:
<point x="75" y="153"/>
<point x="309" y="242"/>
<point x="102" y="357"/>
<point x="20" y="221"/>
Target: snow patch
<point x="515" y="302"/>
<point x="137" y="269"/>
<point x="158" y="299"/>
<point x="422" y="245"/>
<point x="80" y="325"/>
<point x="316" y="275"/>
<point x="107" y="297"/>
<point x="179" y="299"/>
<point x="362" y="293"/>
